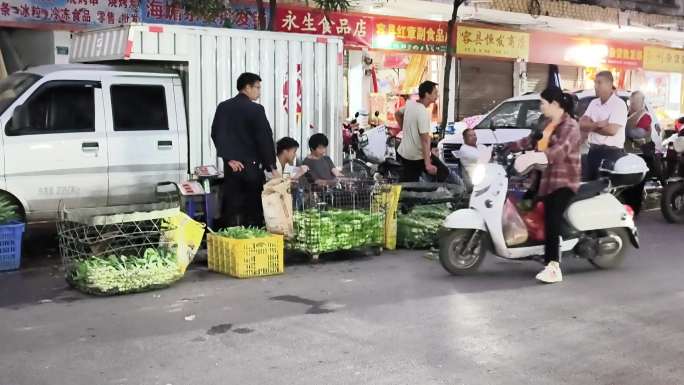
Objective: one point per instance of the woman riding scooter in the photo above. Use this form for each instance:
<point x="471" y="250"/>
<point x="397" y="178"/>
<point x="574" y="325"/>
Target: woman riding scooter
<point x="559" y="182"/>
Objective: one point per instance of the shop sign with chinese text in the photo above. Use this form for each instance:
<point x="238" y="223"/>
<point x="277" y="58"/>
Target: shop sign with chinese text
<point x="552" y="48"/>
<point x="162" y="11"/>
<point x="355" y="29"/>
<point x="97" y="13"/>
<point x="492" y="43"/>
<point x="23" y="13"/>
<point x="410" y="35"/>
<point x="366" y="31"/>
<point x="625" y="56"/>
<point x="664" y="59"/>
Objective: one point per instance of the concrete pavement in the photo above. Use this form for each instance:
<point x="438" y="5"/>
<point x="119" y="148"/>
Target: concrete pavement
<point x="394" y="319"/>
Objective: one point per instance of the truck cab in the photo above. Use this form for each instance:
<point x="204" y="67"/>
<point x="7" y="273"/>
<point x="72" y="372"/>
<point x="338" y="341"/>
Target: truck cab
<point x="89" y="136"/>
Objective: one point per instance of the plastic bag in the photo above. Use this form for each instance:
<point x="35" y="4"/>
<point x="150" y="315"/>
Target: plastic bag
<point x="277" y="202"/>
<point x="187" y="235"/>
<point x="534" y="220"/>
<point x="514" y="229"/>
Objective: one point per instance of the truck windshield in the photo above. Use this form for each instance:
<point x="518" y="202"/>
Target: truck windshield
<point x="13" y="86"/>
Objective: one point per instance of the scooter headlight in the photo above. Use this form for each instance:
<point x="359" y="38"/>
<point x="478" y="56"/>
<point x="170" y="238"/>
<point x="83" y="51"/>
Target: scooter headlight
<point x="478" y="175"/>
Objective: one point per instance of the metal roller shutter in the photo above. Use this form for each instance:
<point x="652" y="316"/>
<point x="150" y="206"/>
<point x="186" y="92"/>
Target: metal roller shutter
<point x="569" y="78"/>
<point x="484" y="84"/>
<point x="537" y="77"/>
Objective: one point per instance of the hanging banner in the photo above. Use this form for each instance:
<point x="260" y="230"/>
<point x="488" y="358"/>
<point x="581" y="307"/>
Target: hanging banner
<point x="663" y="59"/>
<point x="410" y="35"/>
<point x="355" y="29"/>
<point x="492" y="43"/>
<point x="24" y="13"/>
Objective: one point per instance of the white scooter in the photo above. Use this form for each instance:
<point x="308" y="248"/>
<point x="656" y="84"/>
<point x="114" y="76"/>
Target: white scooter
<point x="597" y="226"/>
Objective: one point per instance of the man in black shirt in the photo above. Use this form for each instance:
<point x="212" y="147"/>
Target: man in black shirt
<point x="244" y="140"/>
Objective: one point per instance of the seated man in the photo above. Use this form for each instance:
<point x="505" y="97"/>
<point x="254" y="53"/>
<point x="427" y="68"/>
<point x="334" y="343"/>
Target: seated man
<point x="286" y="157"/>
<point x="472" y="154"/>
<point x="322" y="170"/>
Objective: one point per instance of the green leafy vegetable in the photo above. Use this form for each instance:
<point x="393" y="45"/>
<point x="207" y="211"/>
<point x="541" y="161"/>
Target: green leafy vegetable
<point x="8" y="211"/>
<point x="125" y="274"/>
<point x="419" y="229"/>
<point x="327" y="231"/>
<point x="241" y="232"/>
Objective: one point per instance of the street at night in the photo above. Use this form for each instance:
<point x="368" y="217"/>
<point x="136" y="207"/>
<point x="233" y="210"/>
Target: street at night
<point x="394" y="319"/>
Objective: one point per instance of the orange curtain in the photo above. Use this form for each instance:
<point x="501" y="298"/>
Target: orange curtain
<point x="414" y="73"/>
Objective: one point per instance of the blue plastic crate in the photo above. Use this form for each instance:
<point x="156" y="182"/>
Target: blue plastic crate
<point x="10" y="245"/>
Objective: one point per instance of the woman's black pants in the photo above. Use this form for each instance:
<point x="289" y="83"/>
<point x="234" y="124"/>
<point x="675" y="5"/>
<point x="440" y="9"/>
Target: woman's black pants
<point x="555" y="205"/>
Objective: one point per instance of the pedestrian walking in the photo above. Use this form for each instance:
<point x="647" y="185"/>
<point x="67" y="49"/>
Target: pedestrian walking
<point x="414" y="151"/>
<point x="604" y="121"/>
<point x="244" y="140"/>
<point x="559" y="182"/>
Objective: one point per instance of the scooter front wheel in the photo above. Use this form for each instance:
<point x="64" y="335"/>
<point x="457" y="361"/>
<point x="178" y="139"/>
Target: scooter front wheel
<point x="461" y="251"/>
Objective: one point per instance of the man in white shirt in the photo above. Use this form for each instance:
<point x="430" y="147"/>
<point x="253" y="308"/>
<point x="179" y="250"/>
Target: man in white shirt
<point x="414" y="150"/>
<point x="604" y="122"/>
<point x="472" y="154"/>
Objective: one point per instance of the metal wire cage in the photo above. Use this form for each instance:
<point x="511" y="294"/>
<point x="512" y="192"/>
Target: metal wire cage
<point x="114" y="242"/>
<point x="343" y="215"/>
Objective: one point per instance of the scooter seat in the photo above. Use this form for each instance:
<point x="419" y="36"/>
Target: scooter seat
<point x="589" y="190"/>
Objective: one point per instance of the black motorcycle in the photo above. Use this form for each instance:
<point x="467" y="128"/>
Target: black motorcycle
<point x="672" y="200"/>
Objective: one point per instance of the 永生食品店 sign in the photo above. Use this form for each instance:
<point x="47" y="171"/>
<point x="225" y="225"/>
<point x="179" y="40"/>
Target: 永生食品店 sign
<point x="492" y="43"/>
<point x="663" y="59"/>
<point x="356" y="30"/>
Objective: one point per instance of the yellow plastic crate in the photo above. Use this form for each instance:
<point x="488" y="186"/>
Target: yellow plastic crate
<point x="246" y="258"/>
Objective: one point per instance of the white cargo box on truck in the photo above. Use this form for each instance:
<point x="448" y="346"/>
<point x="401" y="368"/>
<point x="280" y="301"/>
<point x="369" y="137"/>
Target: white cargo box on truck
<point x="301" y="74"/>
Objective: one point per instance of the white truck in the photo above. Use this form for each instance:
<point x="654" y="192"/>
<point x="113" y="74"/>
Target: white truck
<point x="93" y="135"/>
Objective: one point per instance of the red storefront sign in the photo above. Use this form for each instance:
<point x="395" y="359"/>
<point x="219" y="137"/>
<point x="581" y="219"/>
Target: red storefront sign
<point x="410" y="35"/>
<point x="549" y="48"/>
<point x="366" y="31"/>
<point x="354" y="28"/>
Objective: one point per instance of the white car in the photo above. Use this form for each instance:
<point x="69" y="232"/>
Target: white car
<point x="513" y="120"/>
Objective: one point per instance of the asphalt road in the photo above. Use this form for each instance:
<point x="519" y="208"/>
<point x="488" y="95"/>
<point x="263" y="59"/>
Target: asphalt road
<point x="394" y="319"/>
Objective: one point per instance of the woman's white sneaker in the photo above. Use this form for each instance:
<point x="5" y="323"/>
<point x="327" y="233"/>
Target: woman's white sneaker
<point x="551" y="273"/>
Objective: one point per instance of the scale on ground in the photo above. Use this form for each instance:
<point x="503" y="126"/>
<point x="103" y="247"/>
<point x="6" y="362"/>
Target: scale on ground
<point x="197" y="193"/>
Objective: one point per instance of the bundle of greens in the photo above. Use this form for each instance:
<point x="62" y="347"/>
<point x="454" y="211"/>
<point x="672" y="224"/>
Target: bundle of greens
<point x="327" y="231"/>
<point x="241" y="232"/>
<point x="119" y="274"/>
<point x="8" y="211"/>
<point x="419" y="229"/>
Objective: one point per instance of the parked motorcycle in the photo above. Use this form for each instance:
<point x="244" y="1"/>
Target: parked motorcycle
<point x="371" y="153"/>
<point x="672" y="200"/>
<point x="597" y="228"/>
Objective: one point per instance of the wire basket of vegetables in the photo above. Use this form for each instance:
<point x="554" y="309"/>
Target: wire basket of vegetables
<point x="126" y="249"/>
<point x="347" y="215"/>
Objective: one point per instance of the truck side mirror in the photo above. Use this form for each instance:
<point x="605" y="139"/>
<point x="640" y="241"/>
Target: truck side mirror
<point x="20" y="119"/>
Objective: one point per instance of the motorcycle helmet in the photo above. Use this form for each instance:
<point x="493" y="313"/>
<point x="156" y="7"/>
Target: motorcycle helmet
<point x="627" y="170"/>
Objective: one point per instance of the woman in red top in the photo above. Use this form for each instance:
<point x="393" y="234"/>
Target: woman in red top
<point x="560" y="180"/>
<point x="639" y="125"/>
<point x="638" y="140"/>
